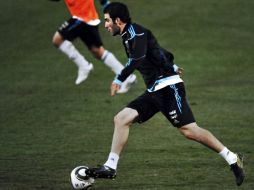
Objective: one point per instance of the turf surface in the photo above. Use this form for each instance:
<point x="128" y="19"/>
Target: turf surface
<point x="48" y="125"/>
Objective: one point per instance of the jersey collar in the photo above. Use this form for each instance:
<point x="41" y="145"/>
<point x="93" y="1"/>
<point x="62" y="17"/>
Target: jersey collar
<point x="125" y="30"/>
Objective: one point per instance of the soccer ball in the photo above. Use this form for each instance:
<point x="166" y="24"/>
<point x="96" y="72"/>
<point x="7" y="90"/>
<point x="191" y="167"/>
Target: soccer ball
<point x="79" y="180"/>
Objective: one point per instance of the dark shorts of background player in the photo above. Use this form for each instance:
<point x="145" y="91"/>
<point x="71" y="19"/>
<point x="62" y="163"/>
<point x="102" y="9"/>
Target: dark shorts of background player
<point x="170" y="100"/>
<point x="74" y="28"/>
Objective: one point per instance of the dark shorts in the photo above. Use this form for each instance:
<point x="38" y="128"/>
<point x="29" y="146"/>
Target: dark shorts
<point x="74" y="28"/>
<point x="171" y="101"/>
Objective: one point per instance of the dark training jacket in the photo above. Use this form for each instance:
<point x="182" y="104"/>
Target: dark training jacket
<point x="145" y="54"/>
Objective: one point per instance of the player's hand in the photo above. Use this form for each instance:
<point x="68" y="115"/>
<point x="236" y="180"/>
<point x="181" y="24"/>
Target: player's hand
<point x="114" y="88"/>
<point x="180" y="71"/>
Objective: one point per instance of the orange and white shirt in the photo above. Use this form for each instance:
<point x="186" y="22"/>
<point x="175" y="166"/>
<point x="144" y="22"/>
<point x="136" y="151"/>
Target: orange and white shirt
<point x="83" y="10"/>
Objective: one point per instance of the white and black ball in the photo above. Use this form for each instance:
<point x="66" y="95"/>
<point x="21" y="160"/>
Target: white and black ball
<point x="79" y="179"/>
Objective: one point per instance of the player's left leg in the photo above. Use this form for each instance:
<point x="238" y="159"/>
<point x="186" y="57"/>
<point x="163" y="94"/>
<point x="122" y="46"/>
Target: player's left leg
<point x="179" y="113"/>
<point x="193" y="132"/>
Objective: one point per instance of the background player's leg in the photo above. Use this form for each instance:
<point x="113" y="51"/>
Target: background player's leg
<point x="112" y="62"/>
<point x="69" y="49"/>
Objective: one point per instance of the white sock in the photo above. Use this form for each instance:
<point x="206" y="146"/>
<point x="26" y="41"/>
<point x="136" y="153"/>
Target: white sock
<point x="112" y="160"/>
<point x="110" y="60"/>
<point x="69" y="49"/>
<point x="229" y="156"/>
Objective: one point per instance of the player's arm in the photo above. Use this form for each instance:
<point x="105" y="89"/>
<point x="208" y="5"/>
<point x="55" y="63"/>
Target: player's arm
<point x="177" y="69"/>
<point x="138" y="48"/>
<point x="119" y="79"/>
<point x="137" y="54"/>
<point x="170" y="57"/>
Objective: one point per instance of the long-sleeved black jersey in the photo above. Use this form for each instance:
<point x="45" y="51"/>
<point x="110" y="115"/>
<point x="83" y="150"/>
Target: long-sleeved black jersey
<point x="145" y="54"/>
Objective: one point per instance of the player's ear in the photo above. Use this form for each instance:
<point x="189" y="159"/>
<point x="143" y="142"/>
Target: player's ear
<point x="117" y="20"/>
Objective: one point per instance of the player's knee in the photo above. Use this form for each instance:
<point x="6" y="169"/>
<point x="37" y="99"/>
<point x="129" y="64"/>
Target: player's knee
<point x="126" y="117"/>
<point x="57" y="40"/>
<point x="121" y="120"/>
<point x="97" y="52"/>
<point x="96" y="55"/>
<point x="190" y="132"/>
<point x="118" y="120"/>
<point x="115" y="119"/>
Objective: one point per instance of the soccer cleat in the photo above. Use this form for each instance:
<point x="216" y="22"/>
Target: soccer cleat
<point x="237" y="169"/>
<point x="101" y="172"/>
<point x="83" y="74"/>
<point x="126" y="85"/>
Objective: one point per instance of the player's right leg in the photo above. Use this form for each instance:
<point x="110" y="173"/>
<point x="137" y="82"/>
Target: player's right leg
<point x="62" y="40"/>
<point x="123" y="121"/>
<point x="139" y="110"/>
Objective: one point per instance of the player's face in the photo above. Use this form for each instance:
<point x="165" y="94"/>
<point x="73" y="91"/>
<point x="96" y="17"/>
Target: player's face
<point x="111" y="26"/>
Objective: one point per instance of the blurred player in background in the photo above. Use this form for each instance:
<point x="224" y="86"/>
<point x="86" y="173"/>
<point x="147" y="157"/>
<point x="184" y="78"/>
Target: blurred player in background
<point x="84" y="24"/>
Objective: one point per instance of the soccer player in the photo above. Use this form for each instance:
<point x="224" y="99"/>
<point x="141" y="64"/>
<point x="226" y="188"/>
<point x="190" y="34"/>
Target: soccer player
<point x="84" y="24"/>
<point x="165" y="93"/>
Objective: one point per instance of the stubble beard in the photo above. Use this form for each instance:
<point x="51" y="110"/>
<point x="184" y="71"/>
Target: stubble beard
<point x="115" y="30"/>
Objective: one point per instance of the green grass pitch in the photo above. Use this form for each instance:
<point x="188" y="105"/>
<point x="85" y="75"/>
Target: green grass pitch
<point x="48" y="125"/>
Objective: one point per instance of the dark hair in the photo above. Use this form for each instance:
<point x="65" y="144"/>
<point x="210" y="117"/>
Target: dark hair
<point x="118" y="10"/>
